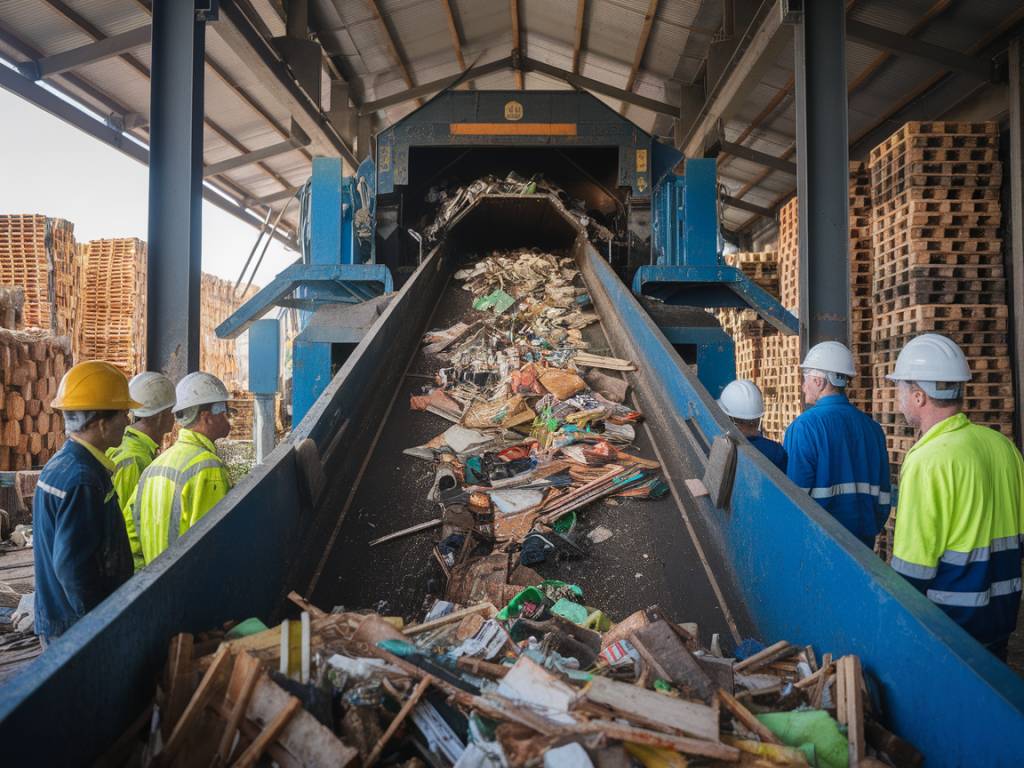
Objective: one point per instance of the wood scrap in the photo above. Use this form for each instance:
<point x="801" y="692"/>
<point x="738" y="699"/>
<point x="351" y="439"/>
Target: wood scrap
<point x="407" y="706"/>
<point x="746" y="718"/>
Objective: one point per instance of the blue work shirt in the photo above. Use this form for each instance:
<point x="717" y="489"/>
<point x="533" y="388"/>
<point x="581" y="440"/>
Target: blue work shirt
<point x="837" y="454"/>
<point x="81" y="549"/>
<point x="774" y="452"/>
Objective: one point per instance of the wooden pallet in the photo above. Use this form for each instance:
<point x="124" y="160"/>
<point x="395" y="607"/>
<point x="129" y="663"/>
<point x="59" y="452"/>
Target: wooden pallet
<point x="220" y="356"/>
<point x="111" y="324"/>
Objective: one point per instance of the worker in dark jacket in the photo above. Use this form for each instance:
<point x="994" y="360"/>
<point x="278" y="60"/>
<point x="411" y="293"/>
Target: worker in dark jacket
<point x="742" y="401"/>
<point x="81" y="546"/>
<point x="837" y="453"/>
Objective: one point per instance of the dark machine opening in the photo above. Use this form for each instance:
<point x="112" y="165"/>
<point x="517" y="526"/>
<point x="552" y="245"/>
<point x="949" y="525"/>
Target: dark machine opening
<point x="588" y="174"/>
<point x="509" y="221"/>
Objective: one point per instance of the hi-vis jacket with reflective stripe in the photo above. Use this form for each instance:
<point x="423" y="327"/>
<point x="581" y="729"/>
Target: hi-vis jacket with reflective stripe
<point x="176" y="490"/>
<point x="960" y="524"/>
<point x="838" y="455"/>
<point x="136" y="452"/>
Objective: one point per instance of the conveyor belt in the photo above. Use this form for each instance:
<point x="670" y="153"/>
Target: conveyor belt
<point x="650" y="559"/>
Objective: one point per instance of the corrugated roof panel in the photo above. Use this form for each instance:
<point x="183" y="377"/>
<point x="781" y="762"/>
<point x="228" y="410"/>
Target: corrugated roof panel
<point x="555" y="19"/>
<point x="483" y="20"/>
<point x="419" y="28"/>
<point x="615" y="30"/>
<point x="111" y="18"/>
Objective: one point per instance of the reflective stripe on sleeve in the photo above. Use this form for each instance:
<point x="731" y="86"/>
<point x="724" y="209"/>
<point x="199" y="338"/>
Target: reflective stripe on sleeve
<point x="975" y="599"/>
<point x="51" y="490"/>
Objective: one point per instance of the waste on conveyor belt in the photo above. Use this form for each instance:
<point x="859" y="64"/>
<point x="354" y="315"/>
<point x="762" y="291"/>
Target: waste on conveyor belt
<point x="506" y="668"/>
<point x="449" y="201"/>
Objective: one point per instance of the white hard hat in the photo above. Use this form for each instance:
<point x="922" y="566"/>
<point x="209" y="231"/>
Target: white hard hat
<point x="833" y="359"/>
<point x="154" y="390"/>
<point x="929" y="359"/>
<point x="741" y="399"/>
<point x="200" y="389"/>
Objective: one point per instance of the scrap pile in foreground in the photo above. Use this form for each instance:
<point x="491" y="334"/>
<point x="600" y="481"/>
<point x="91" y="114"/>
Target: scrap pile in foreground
<point x="521" y="686"/>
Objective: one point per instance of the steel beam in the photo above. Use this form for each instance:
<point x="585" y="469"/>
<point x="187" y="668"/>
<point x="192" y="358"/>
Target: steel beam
<point x="256" y="53"/>
<point x="435" y="86"/>
<point x="517" y="51"/>
<point x="175" y="188"/>
<point x="1016" y="57"/>
<point x="589" y="84"/>
<point x="87" y="54"/>
<point x="755" y="53"/>
<point x="754" y="156"/>
<point x="823" y="173"/>
<point x="743" y="205"/>
<point x="893" y="42"/>
<point x="295" y="142"/>
<point x="64" y="109"/>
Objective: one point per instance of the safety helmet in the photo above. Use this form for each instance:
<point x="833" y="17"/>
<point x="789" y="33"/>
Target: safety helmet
<point x="94" y="386"/>
<point x="833" y="359"/>
<point x="932" y="359"/>
<point x="154" y="390"/>
<point x="741" y="399"/>
<point x="199" y="389"/>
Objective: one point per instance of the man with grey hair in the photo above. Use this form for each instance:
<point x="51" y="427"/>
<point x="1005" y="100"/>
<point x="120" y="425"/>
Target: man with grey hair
<point x="836" y="452"/>
<point x="189" y="478"/>
<point x="960" y="514"/>
<point x="81" y="550"/>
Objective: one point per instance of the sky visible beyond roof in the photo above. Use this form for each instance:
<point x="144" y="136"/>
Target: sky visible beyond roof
<point x="49" y="167"/>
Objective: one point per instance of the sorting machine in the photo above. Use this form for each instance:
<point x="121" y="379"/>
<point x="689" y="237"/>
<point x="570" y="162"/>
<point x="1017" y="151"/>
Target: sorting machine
<point x="753" y="558"/>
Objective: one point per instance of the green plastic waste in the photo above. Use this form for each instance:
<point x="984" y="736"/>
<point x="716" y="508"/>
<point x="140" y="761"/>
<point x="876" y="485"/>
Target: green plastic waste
<point x="518" y="603"/>
<point x="246" y="628"/>
<point x="565" y="523"/>
<point x="813" y="732"/>
<point x="499" y="301"/>
<point x="567" y="609"/>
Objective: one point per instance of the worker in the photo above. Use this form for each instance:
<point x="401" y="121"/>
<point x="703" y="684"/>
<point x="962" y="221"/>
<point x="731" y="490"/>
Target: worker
<point x="140" y="443"/>
<point x="189" y="478"/>
<point x="742" y="402"/>
<point x="81" y="549"/>
<point x="837" y="453"/>
<point x="960" y="514"/>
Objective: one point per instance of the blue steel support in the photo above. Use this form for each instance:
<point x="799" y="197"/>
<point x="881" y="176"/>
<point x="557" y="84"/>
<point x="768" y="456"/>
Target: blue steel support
<point x="823" y="172"/>
<point x="700" y="212"/>
<point x="264" y="356"/>
<point x="175" y="186"/>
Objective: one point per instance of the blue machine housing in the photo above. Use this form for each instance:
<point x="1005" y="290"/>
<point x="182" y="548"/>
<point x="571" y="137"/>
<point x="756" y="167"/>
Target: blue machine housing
<point x="335" y="273"/>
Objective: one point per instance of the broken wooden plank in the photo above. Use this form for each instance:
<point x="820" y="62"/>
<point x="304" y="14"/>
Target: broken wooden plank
<point x="427" y="626"/>
<point x="691" y="718"/>
<point x="684" y="744"/>
<point x="407" y="531"/>
<point x="766" y="656"/>
<point x="215" y="676"/>
<point x="746" y="718"/>
<point x="304" y="604"/>
<point x="412" y="701"/>
<point x="661" y="647"/>
<point x="255" y="750"/>
<point x="178" y="681"/>
<point x="849" y="671"/>
<point x="252" y="674"/>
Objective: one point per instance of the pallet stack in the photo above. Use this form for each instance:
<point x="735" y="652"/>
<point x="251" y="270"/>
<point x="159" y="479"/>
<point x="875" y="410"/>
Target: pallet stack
<point x="39" y="254"/>
<point x="781" y="378"/>
<point x="31" y="366"/>
<point x="219" y="356"/>
<point x="111" y="322"/>
<point x="242" y="421"/>
<point x="748" y="331"/>
<point x="939" y="265"/>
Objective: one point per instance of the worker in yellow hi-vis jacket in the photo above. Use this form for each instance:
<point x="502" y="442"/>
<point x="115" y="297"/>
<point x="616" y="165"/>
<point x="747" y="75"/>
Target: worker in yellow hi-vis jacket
<point x="187" y="480"/>
<point x="140" y="444"/>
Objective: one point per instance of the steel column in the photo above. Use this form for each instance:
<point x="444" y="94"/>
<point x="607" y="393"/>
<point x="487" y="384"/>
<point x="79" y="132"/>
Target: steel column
<point x="1016" y="56"/>
<point x="823" y="173"/>
<point x="175" y="187"/>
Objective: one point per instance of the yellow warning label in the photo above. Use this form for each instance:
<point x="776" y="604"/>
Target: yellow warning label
<point x="641" y="161"/>
<point x="513" y="110"/>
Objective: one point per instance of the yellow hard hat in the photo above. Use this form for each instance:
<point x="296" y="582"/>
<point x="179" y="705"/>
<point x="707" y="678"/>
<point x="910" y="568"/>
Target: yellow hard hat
<point x="94" y="386"/>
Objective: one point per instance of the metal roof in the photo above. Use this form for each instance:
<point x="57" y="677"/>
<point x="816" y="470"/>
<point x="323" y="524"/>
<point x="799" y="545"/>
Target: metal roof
<point x="384" y="48"/>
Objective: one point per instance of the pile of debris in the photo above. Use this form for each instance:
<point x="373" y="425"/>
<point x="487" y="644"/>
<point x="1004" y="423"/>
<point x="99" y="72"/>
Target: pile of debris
<point x="479" y="687"/>
<point x="540" y="430"/>
<point x="449" y="202"/>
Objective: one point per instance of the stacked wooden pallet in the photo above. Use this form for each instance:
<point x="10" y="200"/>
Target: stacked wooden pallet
<point x="39" y="254"/>
<point x="861" y="287"/>
<point x="111" y="323"/>
<point x="31" y="366"/>
<point x="12" y="302"/>
<point x="938" y="264"/>
<point x="242" y="420"/>
<point x="219" y="356"/>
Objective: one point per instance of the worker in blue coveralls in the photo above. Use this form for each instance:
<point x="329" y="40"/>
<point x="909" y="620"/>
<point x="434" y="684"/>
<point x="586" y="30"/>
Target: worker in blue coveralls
<point x="837" y="453"/>
<point x="742" y="402"/>
<point x="81" y="545"/>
